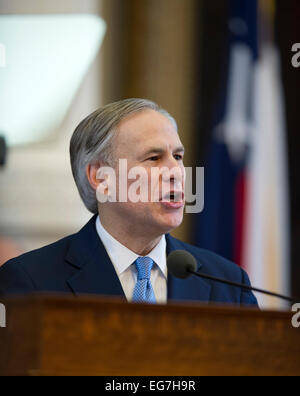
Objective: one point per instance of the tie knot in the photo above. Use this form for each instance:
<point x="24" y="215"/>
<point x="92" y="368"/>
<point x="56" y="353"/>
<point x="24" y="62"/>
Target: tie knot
<point x="144" y="266"/>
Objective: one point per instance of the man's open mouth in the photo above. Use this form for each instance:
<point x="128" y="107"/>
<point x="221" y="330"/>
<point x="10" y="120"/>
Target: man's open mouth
<point x="173" y="196"/>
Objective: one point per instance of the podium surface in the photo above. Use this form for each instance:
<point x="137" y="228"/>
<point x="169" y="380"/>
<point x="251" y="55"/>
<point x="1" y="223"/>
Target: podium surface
<point x="59" y="335"/>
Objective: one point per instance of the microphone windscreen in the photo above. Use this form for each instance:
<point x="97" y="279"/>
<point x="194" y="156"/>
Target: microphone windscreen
<point x="179" y="262"/>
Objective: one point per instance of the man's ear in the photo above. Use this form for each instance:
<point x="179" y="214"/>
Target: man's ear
<point x="103" y="180"/>
<point x="91" y="173"/>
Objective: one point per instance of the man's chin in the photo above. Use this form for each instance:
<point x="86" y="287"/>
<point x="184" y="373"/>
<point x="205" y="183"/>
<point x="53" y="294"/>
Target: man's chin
<point x="170" y="222"/>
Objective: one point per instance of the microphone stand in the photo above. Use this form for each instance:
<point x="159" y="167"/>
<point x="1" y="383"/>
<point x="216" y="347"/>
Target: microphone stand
<point x="240" y="285"/>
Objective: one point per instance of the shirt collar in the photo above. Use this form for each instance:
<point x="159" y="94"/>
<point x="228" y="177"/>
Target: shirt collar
<point x="122" y="257"/>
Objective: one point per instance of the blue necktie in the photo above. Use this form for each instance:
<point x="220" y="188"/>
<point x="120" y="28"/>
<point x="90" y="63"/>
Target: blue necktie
<point x="143" y="291"/>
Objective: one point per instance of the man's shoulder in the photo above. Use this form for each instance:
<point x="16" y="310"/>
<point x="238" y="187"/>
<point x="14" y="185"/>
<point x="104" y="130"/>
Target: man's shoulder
<point x="49" y="254"/>
<point x="49" y="268"/>
<point x="40" y="269"/>
<point x="210" y="262"/>
<point x="57" y="251"/>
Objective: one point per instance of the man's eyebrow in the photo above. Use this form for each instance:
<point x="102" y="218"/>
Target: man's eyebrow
<point x="159" y="150"/>
<point x="179" y="149"/>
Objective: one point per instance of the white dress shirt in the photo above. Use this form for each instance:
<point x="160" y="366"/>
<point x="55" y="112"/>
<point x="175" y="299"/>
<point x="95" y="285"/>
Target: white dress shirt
<point x="123" y="261"/>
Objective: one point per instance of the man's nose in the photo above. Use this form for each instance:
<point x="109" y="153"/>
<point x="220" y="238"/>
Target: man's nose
<point x="171" y="162"/>
<point x="176" y="171"/>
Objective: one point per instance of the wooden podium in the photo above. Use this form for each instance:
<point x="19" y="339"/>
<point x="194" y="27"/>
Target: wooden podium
<point x="57" y="335"/>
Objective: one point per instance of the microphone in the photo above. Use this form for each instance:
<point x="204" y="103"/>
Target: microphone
<point x="183" y="264"/>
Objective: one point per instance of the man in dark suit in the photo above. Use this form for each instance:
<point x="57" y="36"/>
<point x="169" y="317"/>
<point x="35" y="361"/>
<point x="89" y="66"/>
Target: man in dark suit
<point x="122" y="250"/>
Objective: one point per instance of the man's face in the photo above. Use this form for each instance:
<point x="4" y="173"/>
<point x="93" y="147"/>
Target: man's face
<point x="149" y="139"/>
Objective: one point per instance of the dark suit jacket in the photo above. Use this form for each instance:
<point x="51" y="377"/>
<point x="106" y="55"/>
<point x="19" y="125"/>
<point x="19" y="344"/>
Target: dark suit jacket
<point x="79" y="264"/>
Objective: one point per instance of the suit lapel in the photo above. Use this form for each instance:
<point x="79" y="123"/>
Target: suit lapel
<point x="96" y="275"/>
<point x="192" y="288"/>
<point x="95" y="272"/>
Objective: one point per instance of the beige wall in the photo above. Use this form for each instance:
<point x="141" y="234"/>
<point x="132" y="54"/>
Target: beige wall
<point x="39" y="203"/>
<point x="46" y="6"/>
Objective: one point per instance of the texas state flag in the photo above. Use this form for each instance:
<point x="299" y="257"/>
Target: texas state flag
<point x="245" y="218"/>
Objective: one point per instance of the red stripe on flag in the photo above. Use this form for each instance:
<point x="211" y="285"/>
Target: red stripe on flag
<point x="240" y="218"/>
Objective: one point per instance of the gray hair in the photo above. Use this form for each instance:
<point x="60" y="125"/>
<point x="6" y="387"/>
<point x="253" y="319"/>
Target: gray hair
<point x="93" y="139"/>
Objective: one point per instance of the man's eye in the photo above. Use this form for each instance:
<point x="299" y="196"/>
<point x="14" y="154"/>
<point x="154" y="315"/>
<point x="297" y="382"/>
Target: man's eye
<point x="178" y="157"/>
<point x="155" y="158"/>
